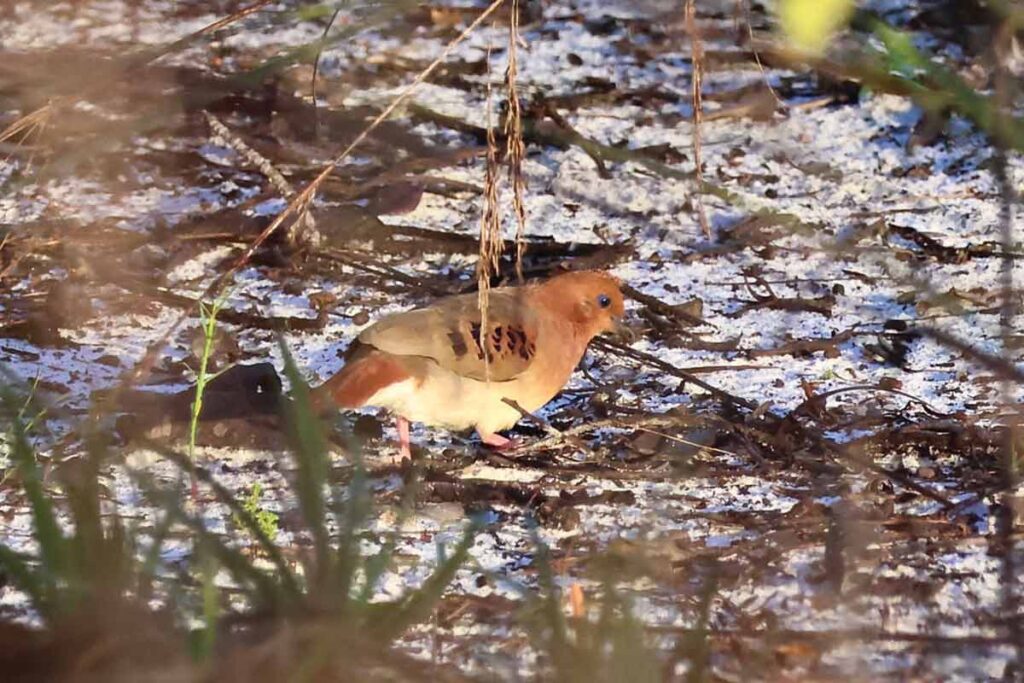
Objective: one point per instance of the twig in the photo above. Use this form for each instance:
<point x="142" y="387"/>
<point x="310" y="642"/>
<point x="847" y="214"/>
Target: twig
<point x="557" y="435"/>
<point x="636" y="422"/>
<point x="757" y="57"/>
<point x="839" y="634"/>
<point x="659" y="306"/>
<point x="623" y="350"/>
<point x="222" y="134"/>
<point x="1001" y="366"/>
<point x="870" y="387"/>
<point x="316" y="71"/>
<point x="697" y="75"/>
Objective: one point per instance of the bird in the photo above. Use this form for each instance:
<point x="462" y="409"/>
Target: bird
<point x="438" y="366"/>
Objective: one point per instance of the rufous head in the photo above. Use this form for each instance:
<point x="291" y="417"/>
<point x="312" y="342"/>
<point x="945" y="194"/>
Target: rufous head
<point x="590" y="299"/>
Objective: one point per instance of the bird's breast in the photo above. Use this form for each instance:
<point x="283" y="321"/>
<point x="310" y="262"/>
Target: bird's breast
<point x="440" y="397"/>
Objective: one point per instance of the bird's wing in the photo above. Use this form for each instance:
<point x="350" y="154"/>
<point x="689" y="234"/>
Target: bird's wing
<point x="448" y="333"/>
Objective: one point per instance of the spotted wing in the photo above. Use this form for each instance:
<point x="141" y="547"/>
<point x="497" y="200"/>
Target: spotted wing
<point x="449" y="333"/>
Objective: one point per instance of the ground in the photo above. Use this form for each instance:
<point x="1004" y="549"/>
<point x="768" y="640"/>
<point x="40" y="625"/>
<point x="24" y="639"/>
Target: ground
<point x="789" y="423"/>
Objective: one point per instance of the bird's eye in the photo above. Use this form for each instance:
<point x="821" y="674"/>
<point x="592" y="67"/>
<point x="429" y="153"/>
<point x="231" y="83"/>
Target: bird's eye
<point x="604" y="301"/>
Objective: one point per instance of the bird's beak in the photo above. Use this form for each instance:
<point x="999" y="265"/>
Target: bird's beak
<point x="622" y="332"/>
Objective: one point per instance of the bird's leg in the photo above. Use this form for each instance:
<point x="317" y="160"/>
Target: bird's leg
<point x="403" y="437"/>
<point x="497" y="441"/>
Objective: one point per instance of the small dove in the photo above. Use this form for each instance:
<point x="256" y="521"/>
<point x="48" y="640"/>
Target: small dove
<point x="433" y="365"/>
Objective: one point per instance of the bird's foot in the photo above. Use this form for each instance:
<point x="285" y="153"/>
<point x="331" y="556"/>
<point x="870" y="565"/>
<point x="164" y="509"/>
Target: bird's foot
<point x="404" y="442"/>
<point x="499" y="442"/>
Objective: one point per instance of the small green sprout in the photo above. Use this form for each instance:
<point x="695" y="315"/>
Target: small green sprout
<point x="265" y="519"/>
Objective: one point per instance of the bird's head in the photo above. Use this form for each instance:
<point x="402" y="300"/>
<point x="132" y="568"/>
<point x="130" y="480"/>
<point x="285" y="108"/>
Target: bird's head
<point x="591" y="300"/>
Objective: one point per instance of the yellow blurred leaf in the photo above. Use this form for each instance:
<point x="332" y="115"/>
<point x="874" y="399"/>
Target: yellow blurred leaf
<point x="809" y="24"/>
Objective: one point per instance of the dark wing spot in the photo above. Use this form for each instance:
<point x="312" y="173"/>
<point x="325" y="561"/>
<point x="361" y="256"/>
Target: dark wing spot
<point x="503" y="340"/>
<point x="527" y="349"/>
<point x="475" y="336"/>
<point x="458" y="343"/>
<point x="516" y="338"/>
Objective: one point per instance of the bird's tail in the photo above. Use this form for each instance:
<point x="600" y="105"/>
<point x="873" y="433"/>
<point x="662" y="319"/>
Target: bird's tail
<point x="357" y="382"/>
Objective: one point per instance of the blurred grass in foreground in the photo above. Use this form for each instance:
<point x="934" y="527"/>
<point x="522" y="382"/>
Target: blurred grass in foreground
<point x="107" y="600"/>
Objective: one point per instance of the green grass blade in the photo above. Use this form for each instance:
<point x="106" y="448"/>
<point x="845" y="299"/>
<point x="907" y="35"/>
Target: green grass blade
<point x="419" y="605"/>
<point x="96" y="560"/>
<point x="375" y="567"/>
<point x="208" y="320"/>
<point x="211" y="606"/>
<point x="289" y="581"/>
<point x="558" y="645"/>
<point x="309" y="447"/>
<point x="146" y="572"/>
<point x="268" y="592"/>
<point x="697" y="646"/>
<point x="53" y="547"/>
<point x="355" y="511"/>
<point x="21" y="574"/>
<point x="630" y="658"/>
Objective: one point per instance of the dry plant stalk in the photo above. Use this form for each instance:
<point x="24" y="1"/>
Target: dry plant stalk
<point x="31" y="125"/>
<point x="490" y="231"/>
<point x="300" y="202"/>
<point x="304" y="228"/>
<point x="491" y="242"/>
<point x="223" y="135"/>
<point x="237" y="15"/>
<point x="745" y="6"/>
<point x="316" y="71"/>
<point x="515" y="150"/>
<point x="1005" y="94"/>
<point x="697" y="60"/>
<point x="38" y="118"/>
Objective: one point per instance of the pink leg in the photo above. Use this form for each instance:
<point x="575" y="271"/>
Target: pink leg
<point x="498" y="442"/>
<point x="403" y="437"/>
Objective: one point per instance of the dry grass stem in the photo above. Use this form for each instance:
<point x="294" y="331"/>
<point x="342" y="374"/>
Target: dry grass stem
<point x="31" y="125"/>
<point x="1005" y="94"/>
<point x="697" y="59"/>
<point x="515" y="149"/>
<point x="302" y="201"/>
<point x="228" y="20"/>
<point x="316" y="71"/>
<point x="30" y="121"/>
<point x="779" y="102"/>
<point x="491" y="243"/>
<point x="303" y="229"/>
<point x="28" y="124"/>
<point x="222" y="135"/>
